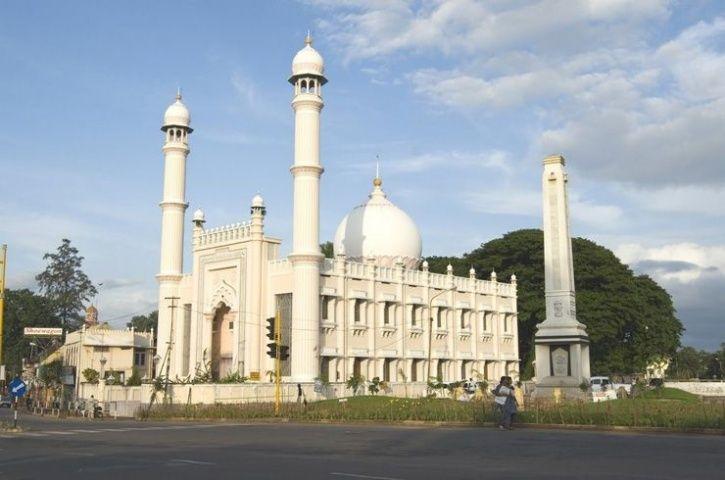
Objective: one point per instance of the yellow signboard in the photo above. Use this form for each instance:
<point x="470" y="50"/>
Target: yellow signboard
<point x="254" y="376"/>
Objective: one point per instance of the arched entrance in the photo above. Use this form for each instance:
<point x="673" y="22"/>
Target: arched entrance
<point x="222" y="326"/>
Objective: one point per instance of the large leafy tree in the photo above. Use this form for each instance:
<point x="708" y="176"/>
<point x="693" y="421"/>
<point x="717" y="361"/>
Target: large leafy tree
<point x="24" y="308"/>
<point x="630" y="319"/>
<point x="64" y="283"/>
<point x="144" y="323"/>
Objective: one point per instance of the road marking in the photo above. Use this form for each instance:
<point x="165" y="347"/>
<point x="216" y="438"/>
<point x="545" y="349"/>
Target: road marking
<point x="31" y="434"/>
<point x="57" y="432"/>
<point x="355" y="475"/>
<point x="190" y="462"/>
<point x="84" y="431"/>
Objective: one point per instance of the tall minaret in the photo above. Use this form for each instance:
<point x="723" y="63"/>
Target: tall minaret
<point x="307" y="78"/>
<point x="562" y="344"/>
<point x="173" y="207"/>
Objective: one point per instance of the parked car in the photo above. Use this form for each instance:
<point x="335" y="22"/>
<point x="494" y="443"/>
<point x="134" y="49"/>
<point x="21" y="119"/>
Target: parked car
<point x="604" y="389"/>
<point x="6" y="402"/>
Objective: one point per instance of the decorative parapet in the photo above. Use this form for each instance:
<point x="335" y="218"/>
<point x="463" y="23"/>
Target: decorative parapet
<point x="422" y="278"/>
<point x="222" y="235"/>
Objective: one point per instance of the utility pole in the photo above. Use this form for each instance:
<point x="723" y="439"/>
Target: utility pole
<point x="3" y="260"/>
<point x="277" y="363"/>
<point x="430" y="326"/>
<point x="169" y="345"/>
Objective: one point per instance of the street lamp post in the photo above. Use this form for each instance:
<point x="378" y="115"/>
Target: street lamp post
<point x="430" y="325"/>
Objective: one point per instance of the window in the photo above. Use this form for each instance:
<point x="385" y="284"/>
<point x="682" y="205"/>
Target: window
<point x="506" y="321"/>
<point x="139" y="358"/>
<point x="387" y="306"/>
<point x="414" y="312"/>
<point x="327" y="308"/>
<point x="358" y="310"/>
<point x="440" y="317"/>
<point x="231" y="325"/>
<point x="463" y="319"/>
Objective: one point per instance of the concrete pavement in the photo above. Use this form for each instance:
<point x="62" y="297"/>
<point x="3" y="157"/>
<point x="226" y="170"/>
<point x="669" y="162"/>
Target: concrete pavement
<point x="108" y="449"/>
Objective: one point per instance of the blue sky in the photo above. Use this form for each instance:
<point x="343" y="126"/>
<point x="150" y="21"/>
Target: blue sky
<point x="461" y="100"/>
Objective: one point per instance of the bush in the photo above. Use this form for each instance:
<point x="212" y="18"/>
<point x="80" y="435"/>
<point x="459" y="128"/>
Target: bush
<point x="91" y="375"/>
<point x="134" y="380"/>
<point x="354" y="382"/>
<point x="233" y="377"/>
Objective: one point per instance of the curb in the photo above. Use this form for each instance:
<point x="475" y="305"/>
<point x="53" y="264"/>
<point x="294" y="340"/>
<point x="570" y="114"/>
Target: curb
<point x="443" y="424"/>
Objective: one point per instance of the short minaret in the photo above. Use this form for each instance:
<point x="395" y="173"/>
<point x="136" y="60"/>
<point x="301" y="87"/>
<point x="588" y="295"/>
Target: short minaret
<point x="254" y="331"/>
<point x="561" y="342"/>
<point x="176" y="128"/>
<point x="307" y="79"/>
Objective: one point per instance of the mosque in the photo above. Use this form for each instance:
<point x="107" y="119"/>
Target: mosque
<point x="373" y="310"/>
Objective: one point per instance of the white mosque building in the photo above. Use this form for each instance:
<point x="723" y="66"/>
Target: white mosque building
<point x="372" y="310"/>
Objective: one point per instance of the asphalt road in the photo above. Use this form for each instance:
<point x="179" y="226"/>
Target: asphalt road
<point x="108" y="449"/>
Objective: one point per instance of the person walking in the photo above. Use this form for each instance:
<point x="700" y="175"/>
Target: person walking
<point x="510" y="406"/>
<point x="500" y="393"/>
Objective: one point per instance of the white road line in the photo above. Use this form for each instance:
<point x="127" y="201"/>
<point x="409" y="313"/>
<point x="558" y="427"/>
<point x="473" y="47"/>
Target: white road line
<point x="84" y="431"/>
<point x="31" y="434"/>
<point x="191" y="462"/>
<point x="57" y="432"/>
<point x="355" y="475"/>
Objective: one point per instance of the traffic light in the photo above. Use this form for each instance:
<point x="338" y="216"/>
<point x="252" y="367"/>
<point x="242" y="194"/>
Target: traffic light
<point x="270" y="328"/>
<point x="283" y="352"/>
<point x="272" y="350"/>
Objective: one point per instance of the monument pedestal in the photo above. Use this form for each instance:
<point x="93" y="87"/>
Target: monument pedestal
<point x="562" y="360"/>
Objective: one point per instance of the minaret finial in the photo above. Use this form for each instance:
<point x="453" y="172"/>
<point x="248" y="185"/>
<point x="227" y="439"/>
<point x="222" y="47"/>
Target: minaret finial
<point x="308" y="38"/>
<point x="178" y="92"/>
<point x="377" y="181"/>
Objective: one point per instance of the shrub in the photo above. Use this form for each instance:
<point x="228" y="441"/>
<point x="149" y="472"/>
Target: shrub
<point x="135" y="379"/>
<point x="233" y="377"/>
<point x="354" y="382"/>
<point x="91" y="375"/>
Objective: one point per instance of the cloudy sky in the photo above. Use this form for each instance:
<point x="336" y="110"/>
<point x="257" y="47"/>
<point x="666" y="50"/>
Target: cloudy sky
<point x="460" y="99"/>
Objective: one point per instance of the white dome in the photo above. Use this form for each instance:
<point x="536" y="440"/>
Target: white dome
<point x="177" y="115"/>
<point x="308" y="61"/>
<point x="380" y="230"/>
<point x="198" y="215"/>
<point x="257" y="201"/>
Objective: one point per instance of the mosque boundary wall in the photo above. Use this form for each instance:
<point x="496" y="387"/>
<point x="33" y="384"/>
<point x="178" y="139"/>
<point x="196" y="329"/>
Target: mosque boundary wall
<point x="124" y="401"/>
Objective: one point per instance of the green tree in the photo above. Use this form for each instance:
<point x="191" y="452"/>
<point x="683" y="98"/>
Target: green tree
<point x="327" y="249"/>
<point x="629" y="318"/>
<point x="688" y="363"/>
<point x="65" y="284"/>
<point x="144" y="323"/>
<point x="24" y="308"/>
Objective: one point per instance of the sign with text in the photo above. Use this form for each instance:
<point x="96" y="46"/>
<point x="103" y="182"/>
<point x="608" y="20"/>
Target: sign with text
<point x="42" y="332"/>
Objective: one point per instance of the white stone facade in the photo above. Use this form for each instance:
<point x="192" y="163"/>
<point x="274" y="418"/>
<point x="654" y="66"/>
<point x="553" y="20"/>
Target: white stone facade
<point x="367" y="315"/>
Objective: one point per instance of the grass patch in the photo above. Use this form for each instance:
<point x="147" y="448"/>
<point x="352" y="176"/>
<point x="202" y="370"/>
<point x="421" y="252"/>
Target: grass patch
<point x="676" y="412"/>
<point x="666" y="393"/>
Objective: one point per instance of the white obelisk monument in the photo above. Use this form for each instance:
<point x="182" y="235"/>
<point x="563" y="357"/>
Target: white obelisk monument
<point x="561" y="342"/>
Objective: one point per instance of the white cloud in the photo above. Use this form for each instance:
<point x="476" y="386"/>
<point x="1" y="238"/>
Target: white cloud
<point x="369" y="29"/>
<point x="493" y="159"/>
<point x="684" y="262"/>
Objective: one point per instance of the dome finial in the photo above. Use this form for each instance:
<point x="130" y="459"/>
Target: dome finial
<point x="308" y="38"/>
<point x="178" y="92"/>
<point x="378" y="181"/>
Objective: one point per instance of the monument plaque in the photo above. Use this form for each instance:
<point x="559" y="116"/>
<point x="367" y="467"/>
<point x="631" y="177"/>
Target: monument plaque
<point x="560" y="362"/>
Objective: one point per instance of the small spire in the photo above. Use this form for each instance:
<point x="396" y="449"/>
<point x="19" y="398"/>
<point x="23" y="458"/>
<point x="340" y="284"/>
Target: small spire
<point x="308" y="38"/>
<point x="178" y="92"/>
<point x="378" y="181"/>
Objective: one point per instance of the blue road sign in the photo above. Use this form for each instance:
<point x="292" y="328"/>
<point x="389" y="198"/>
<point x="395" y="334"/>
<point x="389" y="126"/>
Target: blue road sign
<point x="17" y="387"/>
